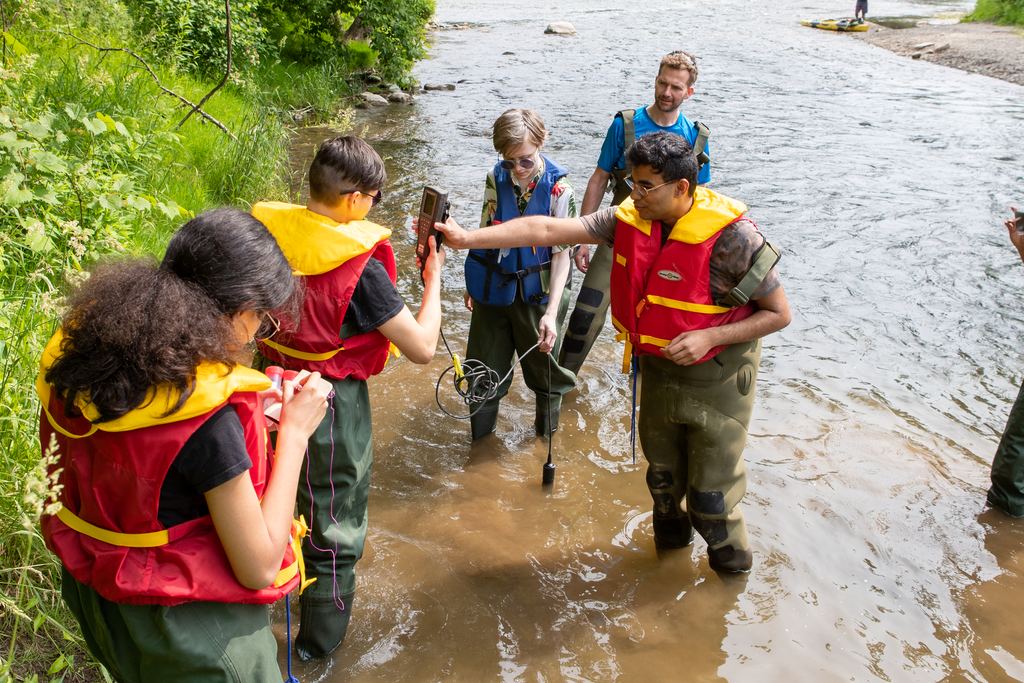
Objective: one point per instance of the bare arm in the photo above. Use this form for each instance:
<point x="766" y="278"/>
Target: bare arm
<point x="417" y="337"/>
<point x="772" y="315"/>
<point x="255" y="534"/>
<point x="528" y="231"/>
<point x="591" y="203"/>
<point x="548" y="322"/>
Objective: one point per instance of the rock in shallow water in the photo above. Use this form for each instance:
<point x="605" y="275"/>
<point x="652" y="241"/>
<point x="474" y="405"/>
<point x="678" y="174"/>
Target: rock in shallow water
<point x="400" y="97"/>
<point x="438" y="86"/>
<point x="562" y="28"/>
<point x="373" y="99"/>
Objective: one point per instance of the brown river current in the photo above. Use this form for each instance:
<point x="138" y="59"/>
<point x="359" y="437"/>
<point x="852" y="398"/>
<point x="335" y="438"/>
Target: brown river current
<point x="885" y="182"/>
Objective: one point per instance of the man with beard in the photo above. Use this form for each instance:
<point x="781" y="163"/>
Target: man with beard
<point x="674" y="84"/>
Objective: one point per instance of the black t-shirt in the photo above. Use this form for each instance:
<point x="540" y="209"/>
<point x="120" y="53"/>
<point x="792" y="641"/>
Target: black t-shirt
<point x="214" y="454"/>
<point x="374" y="301"/>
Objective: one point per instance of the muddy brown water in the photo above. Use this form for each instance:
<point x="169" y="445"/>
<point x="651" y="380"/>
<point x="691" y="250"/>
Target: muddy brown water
<point x="885" y="182"/>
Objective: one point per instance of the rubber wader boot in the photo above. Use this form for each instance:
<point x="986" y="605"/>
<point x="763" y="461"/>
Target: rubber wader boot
<point x="484" y="422"/>
<point x="541" y="423"/>
<point x="672" y="532"/>
<point x="322" y="625"/>
<point x="729" y="560"/>
<point x="588" y="316"/>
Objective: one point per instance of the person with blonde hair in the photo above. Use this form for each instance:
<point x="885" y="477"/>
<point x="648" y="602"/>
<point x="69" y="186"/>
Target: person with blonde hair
<point x="518" y="295"/>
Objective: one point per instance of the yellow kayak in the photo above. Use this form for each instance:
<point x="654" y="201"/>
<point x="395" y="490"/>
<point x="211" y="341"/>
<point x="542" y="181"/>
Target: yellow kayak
<point x="848" y="24"/>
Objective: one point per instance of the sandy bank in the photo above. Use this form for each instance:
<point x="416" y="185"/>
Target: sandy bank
<point x="996" y="51"/>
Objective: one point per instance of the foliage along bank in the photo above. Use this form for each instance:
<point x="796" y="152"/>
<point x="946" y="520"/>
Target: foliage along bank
<point x="93" y="164"/>
<point x="1005" y="12"/>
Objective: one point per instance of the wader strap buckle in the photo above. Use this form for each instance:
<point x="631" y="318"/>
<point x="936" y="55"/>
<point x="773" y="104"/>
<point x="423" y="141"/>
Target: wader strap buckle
<point x="703" y="133"/>
<point x="766" y="258"/>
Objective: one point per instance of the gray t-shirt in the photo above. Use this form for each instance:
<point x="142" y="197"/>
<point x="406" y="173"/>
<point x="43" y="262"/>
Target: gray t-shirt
<point x="731" y="257"/>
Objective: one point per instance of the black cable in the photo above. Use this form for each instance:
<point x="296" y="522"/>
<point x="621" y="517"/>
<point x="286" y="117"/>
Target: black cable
<point x="477" y="384"/>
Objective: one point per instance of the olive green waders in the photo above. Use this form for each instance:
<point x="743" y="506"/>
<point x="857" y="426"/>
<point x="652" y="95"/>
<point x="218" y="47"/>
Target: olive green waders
<point x="334" y="487"/>
<point x="1007" y="492"/>
<point x="590" y="312"/>
<point x="197" y="642"/>
<point x="499" y="333"/>
<point x="693" y="427"/>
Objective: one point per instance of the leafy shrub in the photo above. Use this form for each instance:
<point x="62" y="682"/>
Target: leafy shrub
<point x="1007" y="12"/>
<point x="191" y="33"/>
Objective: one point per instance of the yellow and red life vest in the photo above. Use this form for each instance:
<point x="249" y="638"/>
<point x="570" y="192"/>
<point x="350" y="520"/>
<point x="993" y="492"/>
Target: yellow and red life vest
<point x="330" y="257"/>
<point x="107" y="532"/>
<point x="660" y="292"/>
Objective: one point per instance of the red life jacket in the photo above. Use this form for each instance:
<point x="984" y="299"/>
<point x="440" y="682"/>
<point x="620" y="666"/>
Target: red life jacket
<point x="660" y="292"/>
<point x="331" y="257"/>
<point x="107" y="533"/>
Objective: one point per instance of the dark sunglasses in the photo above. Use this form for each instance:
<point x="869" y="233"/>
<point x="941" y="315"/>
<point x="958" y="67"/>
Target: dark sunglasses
<point x="269" y="326"/>
<point x="526" y="163"/>
<point x="374" y="197"/>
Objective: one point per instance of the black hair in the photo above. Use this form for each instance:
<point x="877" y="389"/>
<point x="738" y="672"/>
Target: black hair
<point x="344" y="163"/>
<point x="666" y="153"/>
<point x="135" y="325"/>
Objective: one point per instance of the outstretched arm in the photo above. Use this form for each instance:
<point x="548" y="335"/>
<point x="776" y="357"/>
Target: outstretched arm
<point x="772" y="315"/>
<point x="528" y="231"/>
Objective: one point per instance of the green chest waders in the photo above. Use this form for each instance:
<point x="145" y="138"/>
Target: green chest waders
<point x="588" y="316"/>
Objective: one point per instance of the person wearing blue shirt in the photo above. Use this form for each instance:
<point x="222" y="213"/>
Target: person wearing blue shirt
<point x="674" y="84"/>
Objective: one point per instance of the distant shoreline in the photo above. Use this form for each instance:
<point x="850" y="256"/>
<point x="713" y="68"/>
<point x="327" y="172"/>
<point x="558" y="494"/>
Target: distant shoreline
<point x="987" y="49"/>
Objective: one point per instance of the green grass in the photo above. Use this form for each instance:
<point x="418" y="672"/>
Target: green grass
<point x="79" y="125"/>
<point x="1004" y="12"/>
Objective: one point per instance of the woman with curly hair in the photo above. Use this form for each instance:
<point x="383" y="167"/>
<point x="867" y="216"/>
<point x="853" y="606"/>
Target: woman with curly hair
<point x="176" y="532"/>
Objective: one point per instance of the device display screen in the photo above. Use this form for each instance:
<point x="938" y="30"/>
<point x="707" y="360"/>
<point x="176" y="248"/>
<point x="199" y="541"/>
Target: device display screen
<point x="428" y="203"/>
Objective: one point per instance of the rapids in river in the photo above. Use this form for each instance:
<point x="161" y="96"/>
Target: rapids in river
<point x="885" y="182"/>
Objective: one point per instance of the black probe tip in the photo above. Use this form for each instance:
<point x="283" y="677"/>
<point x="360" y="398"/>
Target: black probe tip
<point x="549" y="474"/>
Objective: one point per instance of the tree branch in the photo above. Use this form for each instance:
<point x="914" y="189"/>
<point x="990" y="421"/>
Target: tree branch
<point x="227" y="71"/>
<point x="195" y="107"/>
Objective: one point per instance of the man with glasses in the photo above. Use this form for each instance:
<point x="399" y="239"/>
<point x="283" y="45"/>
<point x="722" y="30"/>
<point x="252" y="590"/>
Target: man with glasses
<point x="674" y="84"/>
<point x="518" y="295"/>
<point x="351" y="317"/>
<point x="693" y="290"/>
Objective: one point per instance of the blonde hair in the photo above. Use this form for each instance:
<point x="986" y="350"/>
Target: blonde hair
<point x="682" y="61"/>
<point x="515" y="127"/>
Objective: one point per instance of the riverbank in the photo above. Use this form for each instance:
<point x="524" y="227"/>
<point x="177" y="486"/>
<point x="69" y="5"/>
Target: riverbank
<point x="986" y="49"/>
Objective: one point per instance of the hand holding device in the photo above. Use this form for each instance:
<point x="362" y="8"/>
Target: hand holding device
<point x="433" y="209"/>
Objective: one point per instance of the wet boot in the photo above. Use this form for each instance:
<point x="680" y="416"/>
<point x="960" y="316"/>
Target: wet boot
<point x="484" y="422"/>
<point x="728" y="560"/>
<point x="322" y="625"/>
<point x="541" y="424"/>
<point x="671" y="532"/>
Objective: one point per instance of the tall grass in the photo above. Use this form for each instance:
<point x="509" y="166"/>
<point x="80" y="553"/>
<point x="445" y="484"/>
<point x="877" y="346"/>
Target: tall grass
<point x="1005" y="12"/>
<point x="92" y="163"/>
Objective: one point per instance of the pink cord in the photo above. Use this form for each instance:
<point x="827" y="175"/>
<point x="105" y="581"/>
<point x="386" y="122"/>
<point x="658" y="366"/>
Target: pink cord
<point x="339" y="603"/>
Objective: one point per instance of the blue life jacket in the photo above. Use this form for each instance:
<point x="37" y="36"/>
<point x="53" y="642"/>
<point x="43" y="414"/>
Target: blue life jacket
<point x="492" y="280"/>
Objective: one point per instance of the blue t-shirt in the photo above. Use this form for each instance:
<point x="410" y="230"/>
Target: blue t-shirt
<point x="613" y="154"/>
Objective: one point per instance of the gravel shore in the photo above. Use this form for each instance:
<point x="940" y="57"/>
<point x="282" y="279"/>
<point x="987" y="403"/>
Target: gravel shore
<point x="996" y="51"/>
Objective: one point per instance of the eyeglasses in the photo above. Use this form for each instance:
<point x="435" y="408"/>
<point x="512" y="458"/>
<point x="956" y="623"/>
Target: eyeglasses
<point x="269" y="326"/>
<point x="526" y="163"/>
<point x="375" y="197"/>
<point x="644" y="191"/>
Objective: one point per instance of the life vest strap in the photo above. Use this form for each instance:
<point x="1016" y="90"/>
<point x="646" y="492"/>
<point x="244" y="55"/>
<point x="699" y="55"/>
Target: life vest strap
<point x="618" y="180"/>
<point x="53" y="423"/>
<point x="767" y="256"/>
<point x="302" y="355"/>
<point x="703" y="133"/>
<point x="682" y="305"/>
<point x="152" y="539"/>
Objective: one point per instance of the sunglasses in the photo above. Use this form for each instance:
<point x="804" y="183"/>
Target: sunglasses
<point x="644" y="191"/>
<point x="526" y="163"/>
<point x="269" y="326"/>
<point x="376" y="198"/>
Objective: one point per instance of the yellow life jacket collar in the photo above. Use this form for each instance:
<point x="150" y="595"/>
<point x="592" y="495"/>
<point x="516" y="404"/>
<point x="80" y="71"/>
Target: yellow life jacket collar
<point x="710" y="213"/>
<point x="214" y="386"/>
<point x="313" y="243"/>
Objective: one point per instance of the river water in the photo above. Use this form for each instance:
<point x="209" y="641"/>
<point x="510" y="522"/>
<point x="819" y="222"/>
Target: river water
<point x="885" y="182"/>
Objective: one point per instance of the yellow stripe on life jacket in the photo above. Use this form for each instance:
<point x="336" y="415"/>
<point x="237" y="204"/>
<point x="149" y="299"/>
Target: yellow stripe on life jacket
<point x="147" y="540"/>
<point x="685" y="305"/>
<point x="302" y="355"/>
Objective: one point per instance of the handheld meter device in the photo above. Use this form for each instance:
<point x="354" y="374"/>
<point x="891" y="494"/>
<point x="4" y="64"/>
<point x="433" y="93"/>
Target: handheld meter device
<point x="433" y="209"/>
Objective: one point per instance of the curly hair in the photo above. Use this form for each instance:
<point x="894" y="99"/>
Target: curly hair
<point x="135" y="325"/>
<point x="666" y="153"/>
